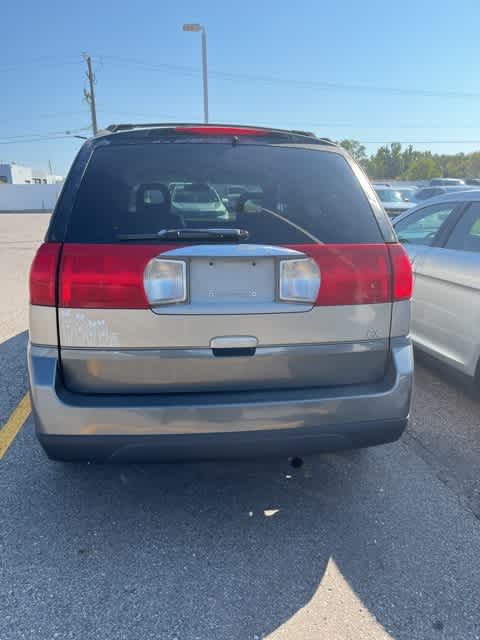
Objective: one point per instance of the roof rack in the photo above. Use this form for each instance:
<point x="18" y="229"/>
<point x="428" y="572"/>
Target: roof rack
<point x="117" y="128"/>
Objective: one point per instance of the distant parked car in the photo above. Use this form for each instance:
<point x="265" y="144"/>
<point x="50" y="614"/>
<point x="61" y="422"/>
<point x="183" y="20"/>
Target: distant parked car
<point x="473" y="181"/>
<point x="393" y="201"/>
<point x="194" y="201"/>
<point x="433" y="192"/>
<point x="446" y="182"/>
<point x="408" y="193"/>
<point x="442" y="238"/>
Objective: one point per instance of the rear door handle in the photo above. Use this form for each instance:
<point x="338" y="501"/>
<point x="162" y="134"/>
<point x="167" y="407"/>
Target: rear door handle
<point x="234" y="342"/>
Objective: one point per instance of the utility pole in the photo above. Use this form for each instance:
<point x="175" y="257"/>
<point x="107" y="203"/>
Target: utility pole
<point x="90" y="95"/>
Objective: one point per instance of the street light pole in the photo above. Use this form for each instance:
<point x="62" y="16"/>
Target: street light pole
<point x="205" y="75"/>
<point x="201" y="28"/>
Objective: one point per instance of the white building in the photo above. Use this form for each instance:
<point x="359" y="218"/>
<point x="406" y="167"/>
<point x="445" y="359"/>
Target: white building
<point x="13" y="173"/>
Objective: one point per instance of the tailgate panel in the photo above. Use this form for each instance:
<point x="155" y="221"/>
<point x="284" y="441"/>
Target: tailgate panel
<point x="144" y="329"/>
<point x="194" y="370"/>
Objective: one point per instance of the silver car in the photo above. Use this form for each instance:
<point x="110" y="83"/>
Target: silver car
<point x="428" y="193"/>
<point x="442" y="238"/>
<point x="162" y="332"/>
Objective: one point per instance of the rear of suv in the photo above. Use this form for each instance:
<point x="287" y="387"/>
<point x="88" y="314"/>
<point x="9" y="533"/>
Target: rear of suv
<point x="170" y="321"/>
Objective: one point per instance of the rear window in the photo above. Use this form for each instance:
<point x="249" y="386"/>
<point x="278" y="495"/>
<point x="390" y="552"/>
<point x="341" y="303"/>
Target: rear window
<point x="389" y="195"/>
<point x="280" y="195"/>
<point x="424" y="194"/>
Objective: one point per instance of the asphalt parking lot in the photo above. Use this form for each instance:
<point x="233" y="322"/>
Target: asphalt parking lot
<point x="380" y="543"/>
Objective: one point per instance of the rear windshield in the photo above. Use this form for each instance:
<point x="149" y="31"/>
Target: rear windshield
<point x="389" y="195"/>
<point x="280" y="195"/>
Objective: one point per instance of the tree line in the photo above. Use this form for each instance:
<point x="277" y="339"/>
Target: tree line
<point x="393" y="161"/>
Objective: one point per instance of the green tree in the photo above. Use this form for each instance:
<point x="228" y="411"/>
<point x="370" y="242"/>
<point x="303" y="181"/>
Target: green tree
<point x="474" y="165"/>
<point x="390" y="161"/>
<point x="356" y="150"/>
<point x="395" y="165"/>
<point x="422" y="168"/>
<point x="382" y="162"/>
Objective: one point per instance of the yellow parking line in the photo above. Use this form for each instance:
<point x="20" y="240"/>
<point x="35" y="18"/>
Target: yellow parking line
<point x="14" y="424"/>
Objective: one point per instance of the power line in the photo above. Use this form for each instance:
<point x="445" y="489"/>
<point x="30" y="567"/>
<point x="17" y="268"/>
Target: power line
<point x="45" y="134"/>
<point x="155" y="115"/>
<point x="49" y="61"/>
<point x="294" y="82"/>
<point x="42" y="116"/>
<point x="44" y="61"/>
<point x="47" y="139"/>
<point x="151" y="67"/>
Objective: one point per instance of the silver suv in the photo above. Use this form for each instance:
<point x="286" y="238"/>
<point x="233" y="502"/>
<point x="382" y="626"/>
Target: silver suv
<point x="170" y="321"/>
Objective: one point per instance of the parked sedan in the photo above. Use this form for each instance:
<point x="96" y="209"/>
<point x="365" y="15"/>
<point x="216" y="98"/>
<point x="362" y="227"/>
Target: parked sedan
<point x="442" y="238"/>
<point x="408" y="193"/>
<point x="393" y="201"/>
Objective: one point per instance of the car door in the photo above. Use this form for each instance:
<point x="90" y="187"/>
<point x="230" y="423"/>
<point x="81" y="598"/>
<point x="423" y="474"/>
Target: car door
<point x="447" y="293"/>
<point x="420" y="233"/>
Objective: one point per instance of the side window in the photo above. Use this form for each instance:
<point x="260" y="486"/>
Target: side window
<point x="466" y="234"/>
<point x="423" y="226"/>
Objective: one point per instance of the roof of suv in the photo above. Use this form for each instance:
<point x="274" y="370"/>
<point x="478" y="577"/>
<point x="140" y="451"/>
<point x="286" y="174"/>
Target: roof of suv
<point x="182" y="128"/>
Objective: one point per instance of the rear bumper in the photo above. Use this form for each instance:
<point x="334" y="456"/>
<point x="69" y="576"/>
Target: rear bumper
<point x="211" y="425"/>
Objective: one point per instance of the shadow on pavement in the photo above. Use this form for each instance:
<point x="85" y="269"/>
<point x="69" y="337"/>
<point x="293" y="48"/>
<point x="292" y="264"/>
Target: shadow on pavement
<point x="364" y="544"/>
<point x="344" y="546"/>
<point x="458" y="381"/>
<point x="445" y="429"/>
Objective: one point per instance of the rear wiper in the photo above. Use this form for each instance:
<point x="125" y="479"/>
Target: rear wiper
<point x="189" y="234"/>
<point x="200" y="234"/>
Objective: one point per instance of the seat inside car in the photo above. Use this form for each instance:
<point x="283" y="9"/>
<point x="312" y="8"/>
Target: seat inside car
<point x="153" y="208"/>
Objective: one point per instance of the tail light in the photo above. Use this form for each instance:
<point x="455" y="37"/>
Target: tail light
<point x="43" y="275"/>
<point x="108" y="276"/>
<point x="112" y="276"/>
<point x="402" y="273"/>
<point x="360" y="274"/>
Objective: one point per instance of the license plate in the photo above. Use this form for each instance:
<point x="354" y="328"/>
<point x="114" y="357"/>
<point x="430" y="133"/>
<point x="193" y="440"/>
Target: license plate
<point x="230" y="280"/>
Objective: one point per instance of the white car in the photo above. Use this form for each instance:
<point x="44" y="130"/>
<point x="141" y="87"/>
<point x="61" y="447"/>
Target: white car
<point x="194" y="200"/>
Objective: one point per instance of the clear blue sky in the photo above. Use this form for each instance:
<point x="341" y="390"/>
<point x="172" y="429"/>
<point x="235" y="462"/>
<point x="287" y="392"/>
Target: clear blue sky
<point x="322" y="65"/>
